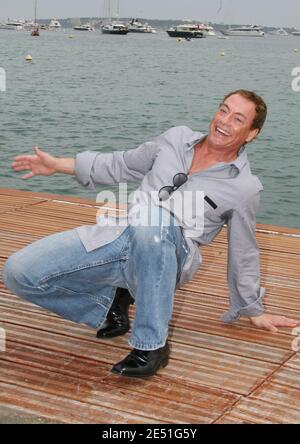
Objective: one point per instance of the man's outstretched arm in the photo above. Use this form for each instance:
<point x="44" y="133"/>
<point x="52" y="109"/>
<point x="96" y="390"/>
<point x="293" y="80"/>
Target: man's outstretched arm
<point x="42" y="164"/>
<point x="91" y="167"/>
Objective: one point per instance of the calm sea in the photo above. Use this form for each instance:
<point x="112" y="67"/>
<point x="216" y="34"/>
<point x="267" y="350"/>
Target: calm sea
<point x="104" y="93"/>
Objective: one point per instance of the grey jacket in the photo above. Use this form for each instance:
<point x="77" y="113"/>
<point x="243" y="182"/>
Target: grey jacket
<point x="232" y="187"/>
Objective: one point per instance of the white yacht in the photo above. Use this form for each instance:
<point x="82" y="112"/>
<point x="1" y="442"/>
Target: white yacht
<point x="55" y="25"/>
<point x="13" y="25"/>
<point x="29" y="25"/>
<point x="114" y="28"/>
<point x="207" y="30"/>
<point x="186" y="31"/>
<point x="86" y="27"/>
<point x="245" y="31"/>
<point x="138" y="27"/>
<point x="280" y="31"/>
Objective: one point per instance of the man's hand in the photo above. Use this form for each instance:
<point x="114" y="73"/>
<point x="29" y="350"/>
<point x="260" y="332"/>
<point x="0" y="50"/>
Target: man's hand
<point x="271" y="322"/>
<point x="39" y="164"/>
<point x="43" y="164"/>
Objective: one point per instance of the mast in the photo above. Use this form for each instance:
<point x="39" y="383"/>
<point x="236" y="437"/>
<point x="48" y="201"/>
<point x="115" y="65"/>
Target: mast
<point x="109" y="9"/>
<point x="35" y="11"/>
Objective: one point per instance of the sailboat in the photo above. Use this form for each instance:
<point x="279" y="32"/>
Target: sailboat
<point x="112" y="26"/>
<point x="35" y="32"/>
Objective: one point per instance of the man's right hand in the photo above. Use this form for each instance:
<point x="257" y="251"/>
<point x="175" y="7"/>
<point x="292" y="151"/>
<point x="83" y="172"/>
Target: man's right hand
<point x="39" y="164"/>
<point x="43" y="164"/>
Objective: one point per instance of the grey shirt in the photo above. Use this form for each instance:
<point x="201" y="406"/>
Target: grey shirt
<point x="232" y="187"/>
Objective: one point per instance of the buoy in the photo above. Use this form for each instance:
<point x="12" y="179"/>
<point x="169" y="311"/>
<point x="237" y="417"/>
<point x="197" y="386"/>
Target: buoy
<point x="179" y="40"/>
<point x="296" y="50"/>
<point x="71" y="36"/>
<point x="28" y="58"/>
<point x="222" y="54"/>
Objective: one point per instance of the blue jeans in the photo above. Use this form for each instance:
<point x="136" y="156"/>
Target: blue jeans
<point x="58" y="274"/>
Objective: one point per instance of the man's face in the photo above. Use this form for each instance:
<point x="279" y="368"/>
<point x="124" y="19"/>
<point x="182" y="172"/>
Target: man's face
<point x="231" y="125"/>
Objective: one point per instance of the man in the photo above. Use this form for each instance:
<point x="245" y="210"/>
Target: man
<point x="75" y="274"/>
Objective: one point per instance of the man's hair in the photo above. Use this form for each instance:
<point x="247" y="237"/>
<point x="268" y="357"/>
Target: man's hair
<point x="260" y="106"/>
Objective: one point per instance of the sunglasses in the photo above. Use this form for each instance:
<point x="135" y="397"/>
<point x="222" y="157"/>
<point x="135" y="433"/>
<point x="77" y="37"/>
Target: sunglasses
<point x="178" y="180"/>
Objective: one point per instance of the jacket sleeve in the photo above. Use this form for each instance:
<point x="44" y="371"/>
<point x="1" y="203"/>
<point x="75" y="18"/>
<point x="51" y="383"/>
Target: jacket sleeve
<point x="243" y="262"/>
<point x="120" y="166"/>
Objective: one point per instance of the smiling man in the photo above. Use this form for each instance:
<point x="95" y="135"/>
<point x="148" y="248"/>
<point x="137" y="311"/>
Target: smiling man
<point x="76" y="273"/>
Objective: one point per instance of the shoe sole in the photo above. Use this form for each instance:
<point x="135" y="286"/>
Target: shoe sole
<point x="113" y="335"/>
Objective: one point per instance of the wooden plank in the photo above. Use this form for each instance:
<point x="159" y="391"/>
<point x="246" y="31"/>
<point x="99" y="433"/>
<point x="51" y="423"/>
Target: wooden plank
<point x="20" y="194"/>
<point x="63" y="409"/>
<point x="256" y="411"/>
<point x="235" y="373"/>
<point x="88" y="380"/>
<point x="192" y="363"/>
<point x="8" y="204"/>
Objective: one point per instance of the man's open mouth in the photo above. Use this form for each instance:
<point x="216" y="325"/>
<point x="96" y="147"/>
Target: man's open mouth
<point x="222" y="131"/>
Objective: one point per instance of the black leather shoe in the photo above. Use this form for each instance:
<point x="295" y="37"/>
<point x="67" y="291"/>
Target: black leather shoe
<point x="117" y="321"/>
<point x="140" y="363"/>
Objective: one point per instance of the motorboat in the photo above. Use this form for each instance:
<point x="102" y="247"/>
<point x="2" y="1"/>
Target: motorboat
<point x="280" y="31"/>
<point x="117" y="28"/>
<point x="296" y="33"/>
<point x="186" y="31"/>
<point x="13" y="25"/>
<point x="86" y="27"/>
<point x="141" y="28"/>
<point x="207" y="30"/>
<point x="54" y="25"/>
<point x="245" y="31"/>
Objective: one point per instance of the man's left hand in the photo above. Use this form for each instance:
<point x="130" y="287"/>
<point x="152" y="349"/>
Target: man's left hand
<point x="271" y="322"/>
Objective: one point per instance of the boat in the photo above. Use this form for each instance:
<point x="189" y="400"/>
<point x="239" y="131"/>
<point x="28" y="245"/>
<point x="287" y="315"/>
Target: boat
<point x="207" y="30"/>
<point x="296" y="33"/>
<point x="35" y="32"/>
<point x="280" y="31"/>
<point x="138" y="27"/>
<point x="245" y="31"/>
<point x="86" y="27"/>
<point x="54" y="25"/>
<point x="117" y="28"/>
<point x="13" y="25"/>
<point x="111" y="25"/>
<point x="186" y="31"/>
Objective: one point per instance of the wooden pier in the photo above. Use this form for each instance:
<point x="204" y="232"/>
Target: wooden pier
<point x="56" y="371"/>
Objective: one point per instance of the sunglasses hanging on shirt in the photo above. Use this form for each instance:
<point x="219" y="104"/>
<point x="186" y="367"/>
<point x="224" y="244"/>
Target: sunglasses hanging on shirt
<point x="178" y="180"/>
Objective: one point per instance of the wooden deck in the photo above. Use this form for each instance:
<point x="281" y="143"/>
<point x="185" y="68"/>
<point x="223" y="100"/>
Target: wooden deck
<point x="58" y="371"/>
